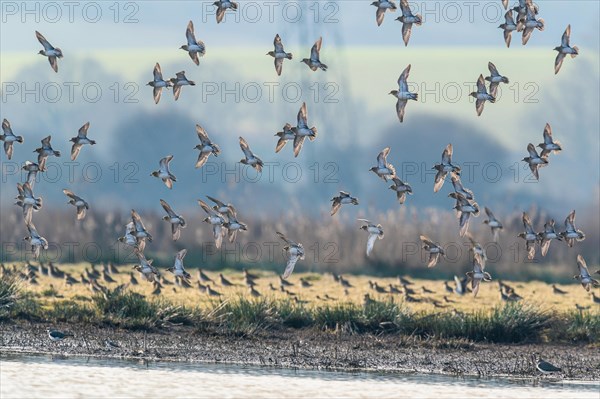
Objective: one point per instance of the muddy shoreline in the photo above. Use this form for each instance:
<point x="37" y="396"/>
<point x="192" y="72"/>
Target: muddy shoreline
<point x="308" y="349"/>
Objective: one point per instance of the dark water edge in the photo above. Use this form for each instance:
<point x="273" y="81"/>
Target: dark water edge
<point x="304" y="350"/>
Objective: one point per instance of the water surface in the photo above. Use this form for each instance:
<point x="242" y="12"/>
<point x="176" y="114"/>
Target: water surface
<point x="25" y="376"/>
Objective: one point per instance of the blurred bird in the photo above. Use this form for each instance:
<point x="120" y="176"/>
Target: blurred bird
<point x="294" y="252"/>
<point x="145" y="266"/>
<point x="478" y="274"/>
<point x="462" y="190"/>
<point x="158" y="83"/>
<point x="384" y="169"/>
<point x="564" y="49"/>
<point x="202" y="277"/>
<point x="27" y="200"/>
<point x="206" y="147"/>
<point x="250" y="159"/>
<point x="164" y="172"/>
<point x="139" y="231"/>
<point x="465" y="208"/>
<point x="9" y="138"/>
<point x="36" y="241"/>
<point x="232" y="224"/>
<point x="253" y="292"/>
<point x="343" y="198"/>
<point x="176" y="221"/>
<point x="210" y="292"/>
<point x="224" y="282"/>
<point x="584" y="277"/>
<point x="382" y="7"/>
<point x="32" y="169"/>
<point x="286" y="134"/>
<point x="222" y="6"/>
<point x="444" y="168"/>
<point x="408" y="19"/>
<point x="375" y="232"/>
<point x="79" y="203"/>
<point x="434" y="250"/>
<point x="53" y="53"/>
<point x="193" y="47"/>
<point x="535" y="161"/>
<point x="558" y="291"/>
<point x="531" y="22"/>
<point x="494" y="224"/>
<point x="80" y="140"/>
<point x="279" y="54"/>
<point x="56" y="335"/>
<point x="460" y="285"/>
<point x="481" y="95"/>
<point x="509" y="26"/>
<point x="403" y="94"/>
<point x="314" y="62"/>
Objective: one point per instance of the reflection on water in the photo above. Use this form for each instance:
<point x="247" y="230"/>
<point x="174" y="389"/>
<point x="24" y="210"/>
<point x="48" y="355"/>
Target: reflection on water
<point x="58" y="377"/>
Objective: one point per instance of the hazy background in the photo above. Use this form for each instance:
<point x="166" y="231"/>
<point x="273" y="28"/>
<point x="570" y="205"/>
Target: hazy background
<point x="110" y="52"/>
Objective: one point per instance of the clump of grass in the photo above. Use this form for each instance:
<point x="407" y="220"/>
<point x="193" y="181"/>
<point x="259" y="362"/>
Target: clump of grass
<point x="72" y="312"/>
<point x="292" y="314"/>
<point x="339" y="316"/>
<point x="132" y="310"/>
<point x="10" y="290"/>
<point x="577" y="326"/>
<point x="50" y="292"/>
<point x="387" y="315"/>
<point x="243" y="316"/>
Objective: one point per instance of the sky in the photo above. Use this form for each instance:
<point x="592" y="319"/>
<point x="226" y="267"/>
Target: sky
<point x="111" y="47"/>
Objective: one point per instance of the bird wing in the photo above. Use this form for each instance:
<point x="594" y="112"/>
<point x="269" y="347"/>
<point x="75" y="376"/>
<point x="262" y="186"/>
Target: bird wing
<point x="167" y="208"/>
<point x="298" y="142"/>
<point x="202" y="135"/>
<point x="70" y="194"/>
<point x="316" y="48"/>
<point x="75" y="149"/>
<point x="278" y="62"/>
<point x="137" y="221"/>
<point x="278" y="44"/>
<point x="289" y="268"/>
<point x="481" y="85"/>
<point x="157" y="73"/>
<point x="560" y="57"/>
<point x="493" y="69"/>
<point x="569" y="221"/>
<point x="189" y="34"/>
<point x="303" y="116"/>
<point x="6" y="128"/>
<point x="82" y="132"/>
<point x="402" y="80"/>
<point x="406" y="31"/>
<point x="400" y="109"/>
<point x="527" y="223"/>
<point x="220" y="204"/>
<point x="382" y="157"/>
<point x="405" y="8"/>
<point x="566" y="36"/>
<point x="582" y="265"/>
<point x="531" y="150"/>
<point x="43" y="41"/>
<point x="46" y="141"/>
<point x="371" y="243"/>
<point x="548" y="134"/>
<point x="447" y="154"/>
<point x="245" y="148"/>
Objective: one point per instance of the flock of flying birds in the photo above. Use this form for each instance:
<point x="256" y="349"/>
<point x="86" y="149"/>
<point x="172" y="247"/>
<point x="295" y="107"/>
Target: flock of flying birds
<point x="222" y="217"/>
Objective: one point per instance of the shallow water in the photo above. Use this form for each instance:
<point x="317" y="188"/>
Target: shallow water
<point x="24" y="376"/>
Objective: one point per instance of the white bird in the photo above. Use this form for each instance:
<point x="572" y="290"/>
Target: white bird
<point x="177" y="269"/>
<point x="478" y="274"/>
<point x="375" y="232"/>
<point x="584" y="276"/>
<point x="294" y="251"/>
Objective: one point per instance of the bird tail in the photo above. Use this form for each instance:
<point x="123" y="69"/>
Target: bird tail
<point x="414" y="96"/>
<point x="419" y="19"/>
<point x="323" y="67"/>
<point x="92" y="142"/>
<point x="57" y="153"/>
<point x="492" y="99"/>
<point x="314" y="135"/>
<point x="289" y="56"/>
<point x="541" y="25"/>
<point x="572" y="55"/>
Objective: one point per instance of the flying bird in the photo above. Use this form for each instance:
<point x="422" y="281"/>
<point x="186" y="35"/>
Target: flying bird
<point x="294" y="252"/>
<point x="535" y="161"/>
<point x="546" y="236"/>
<point x="206" y="147"/>
<point x="9" y="138"/>
<point x="216" y="220"/>
<point x="220" y="206"/>
<point x="53" y="53"/>
<point x="434" y="250"/>
<point x="530" y="236"/>
<point x="177" y="221"/>
<point x="403" y="94"/>
<point x="584" y="275"/>
<point x="301" y="131"/>
<point x="164" y="173"/>
<point x="145" y="267"/>
<point x="549" y="145"/>
<point x="80" y="140"/>
<point x="343" y="198"/>
<point x="564" y="49"/>
<point x="286" y="134"/>
<point x="495" y="79"/>
<point x="509" y="26"/>
<point x="44" y="152"/>
<point x="465" y="208"/>
<point x="494" y="224"/>
<point x="222" y="6"/>
<point x="375" y="232"/>
<point x="444" y="168"/>
<point x="384" y="169"/>
<point x="36" y="241"/>
<point x="401" y="189"/>
<point x="408" y="19"/>
<point x="178" y="82"/>
<point x="382" y="7"/>
<point x="314" y="61"/>
<point x="28" y="201"/>
<point x="139" y="231"/>
<point x="279" y="54"/>
<point x="79" y="203"/>
<point x="158" y="83"/>
<point x="250" y="159"/>
<point x="481" y="95"/>
<point x="462" y="190"/>
<point x="194" y="47"/>
<point x="478" y="274"/>
<point x="531" y="22"/>
<point x="232" y="224"/>
<point x="32" y="169"/>
<point x="571" y="234"/>
<point x="177" y="269"/>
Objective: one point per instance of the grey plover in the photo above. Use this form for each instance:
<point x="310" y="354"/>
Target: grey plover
<point x="408" y="19"/>
<point x="294" y="252"/>
<point x="564" y="49"/>
<point x="53" y="53"/>
<point x="80" y="140"/>
<point x="375" y="232"/>
<point x="279" y="54"/>
<point x="79" y="203"/>
<point x="177" y="221"/>
<point x="343" y="198"/>
<point x="194" y="47"/>
<point x="9" y="138"/>
<point x="164" y="172"/>
<point x="314" y="62"/>
<point x="403" y="94"/>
